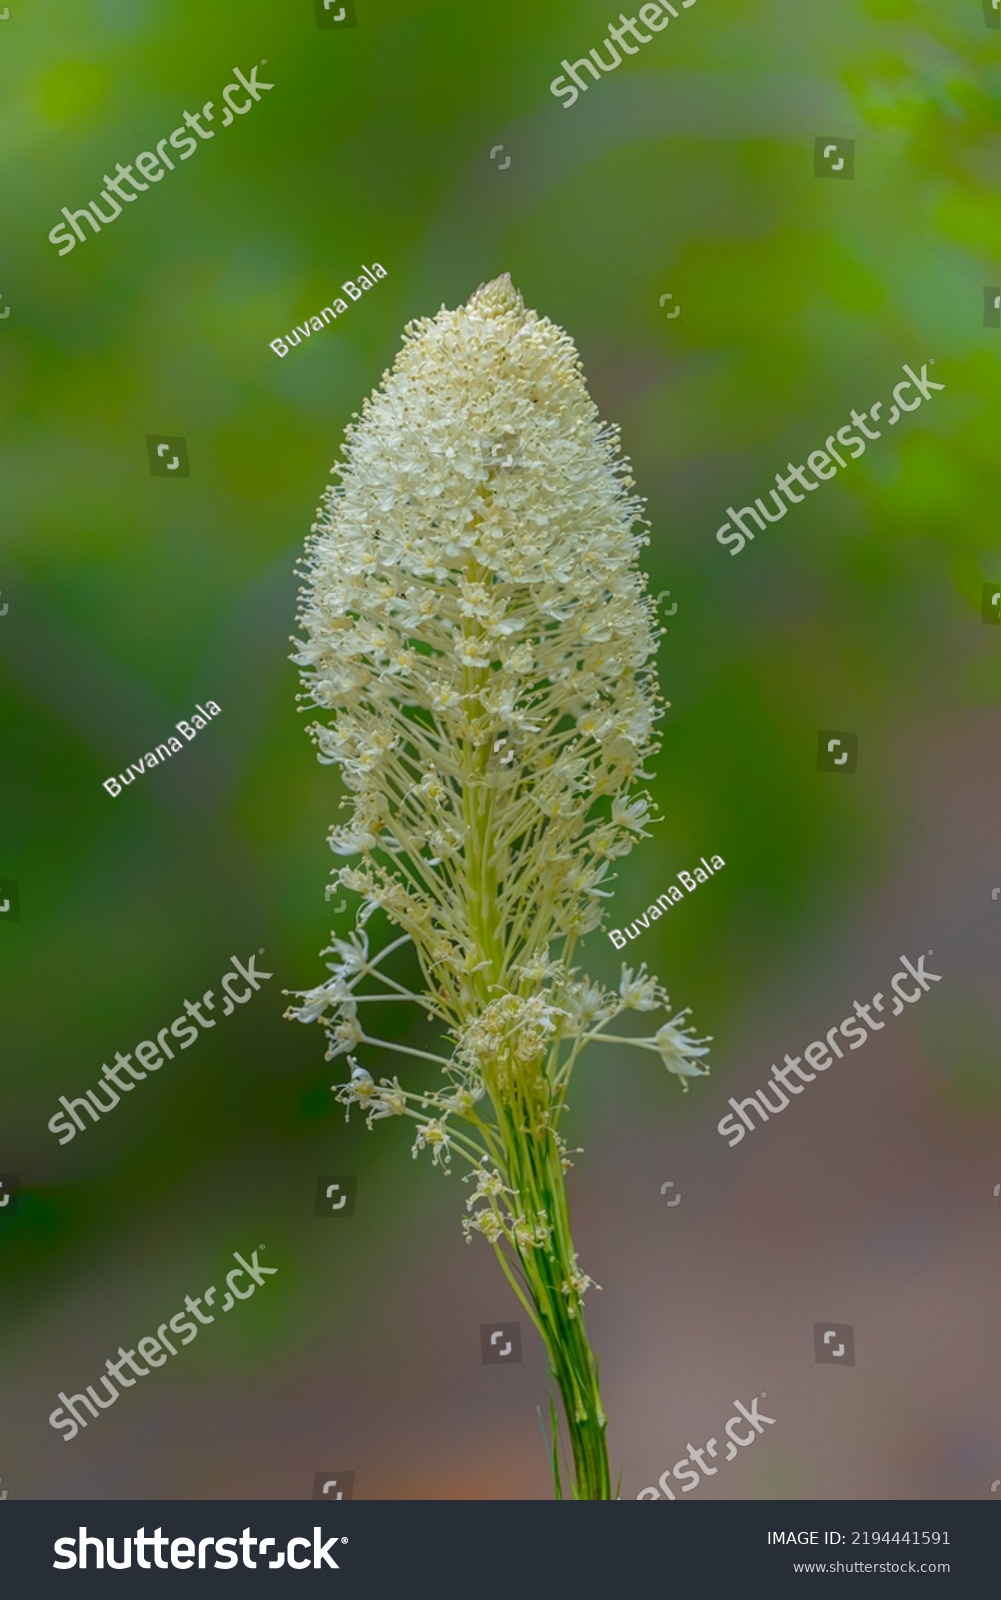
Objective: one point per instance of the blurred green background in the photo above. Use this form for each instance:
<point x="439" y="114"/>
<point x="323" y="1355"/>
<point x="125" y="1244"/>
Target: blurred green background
<point x="130" y="598"/>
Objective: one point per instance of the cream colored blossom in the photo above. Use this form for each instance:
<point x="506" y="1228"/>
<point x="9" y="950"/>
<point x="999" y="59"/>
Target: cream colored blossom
<point x="478" y="644"/>
<point x="640" y="992"/>
<point x="489" y="1185"/>
<point x="480" y="628"/>
<point x="680" y="1051"/>
<point x="433" y="1135"/>
<point x="494" y="585"/>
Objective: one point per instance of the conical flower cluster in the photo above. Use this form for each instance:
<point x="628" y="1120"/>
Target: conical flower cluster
<point x="478" y="637"/>
<point x="476" y="617"/>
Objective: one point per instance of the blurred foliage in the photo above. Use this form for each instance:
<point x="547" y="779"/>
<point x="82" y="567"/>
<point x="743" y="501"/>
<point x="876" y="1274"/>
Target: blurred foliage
<point x="689" y="170"/>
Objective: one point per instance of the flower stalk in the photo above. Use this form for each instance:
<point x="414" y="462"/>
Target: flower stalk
<point x="476" y="620"/>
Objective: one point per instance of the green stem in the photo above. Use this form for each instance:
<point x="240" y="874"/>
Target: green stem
<point x="536" y="1174"/>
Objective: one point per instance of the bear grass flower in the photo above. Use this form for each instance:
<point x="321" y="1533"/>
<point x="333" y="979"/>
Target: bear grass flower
<point x="475" y="619"/>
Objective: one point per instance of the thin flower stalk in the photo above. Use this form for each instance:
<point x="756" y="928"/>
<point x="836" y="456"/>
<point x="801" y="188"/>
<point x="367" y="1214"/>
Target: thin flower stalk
<point x="479" y="643"/>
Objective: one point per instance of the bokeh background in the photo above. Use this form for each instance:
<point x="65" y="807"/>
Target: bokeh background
<point x="130" y="597"/>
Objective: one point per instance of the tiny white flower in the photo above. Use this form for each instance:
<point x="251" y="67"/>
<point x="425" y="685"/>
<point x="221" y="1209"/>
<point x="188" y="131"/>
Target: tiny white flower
<point x="433" y="1135"/>
<point x="680" y="1051"/>
<point x="358" y="1090"/>
<point x="464" y="1100"/>
<point x="640" y="992"/>
<point x="343" y="1035"/>
<point x="587" y="1003"/>
<point x="632" y="814"/>
<point x="388" y="1100"/>
<point x="353" y="953"/>
<point x="316" y="1001"/>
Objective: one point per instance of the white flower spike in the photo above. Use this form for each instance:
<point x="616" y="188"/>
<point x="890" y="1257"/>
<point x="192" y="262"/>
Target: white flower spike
<point x="479" y="644"/>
